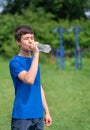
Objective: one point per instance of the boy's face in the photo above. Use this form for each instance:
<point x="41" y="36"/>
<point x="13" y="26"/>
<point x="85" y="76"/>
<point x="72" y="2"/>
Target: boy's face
<point x="27" y="42"/>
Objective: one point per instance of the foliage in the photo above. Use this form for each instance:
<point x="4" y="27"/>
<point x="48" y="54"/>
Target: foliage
<point x="43" y="25"/>
<point x="71" y="9"/>
<point x="13" y="6"/>
<point x="43" y="28"/>
<point x="7" y="45"/>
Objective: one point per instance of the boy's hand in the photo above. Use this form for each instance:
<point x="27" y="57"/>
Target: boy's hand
<point x="48" y="120"/>
<point x="35" y="48"/>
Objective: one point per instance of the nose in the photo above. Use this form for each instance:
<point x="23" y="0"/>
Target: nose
<point x="30" y="40"/>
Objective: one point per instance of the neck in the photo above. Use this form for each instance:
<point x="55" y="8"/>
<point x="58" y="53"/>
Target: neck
<point x="25" y="54"/>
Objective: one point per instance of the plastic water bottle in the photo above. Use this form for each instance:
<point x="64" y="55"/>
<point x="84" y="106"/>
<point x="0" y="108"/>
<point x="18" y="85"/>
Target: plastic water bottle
<point x="44" y="48"/>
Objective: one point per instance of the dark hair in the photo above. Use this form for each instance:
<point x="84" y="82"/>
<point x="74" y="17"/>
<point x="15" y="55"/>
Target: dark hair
<point x="21" y="30"/>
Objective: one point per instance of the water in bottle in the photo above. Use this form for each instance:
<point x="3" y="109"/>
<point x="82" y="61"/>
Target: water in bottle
<point x="44" y="48"/>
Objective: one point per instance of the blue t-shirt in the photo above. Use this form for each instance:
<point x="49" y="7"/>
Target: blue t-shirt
<point x="28" y="102"/>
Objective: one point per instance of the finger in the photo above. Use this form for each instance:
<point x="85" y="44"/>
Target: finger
<point x="36" y="43"/>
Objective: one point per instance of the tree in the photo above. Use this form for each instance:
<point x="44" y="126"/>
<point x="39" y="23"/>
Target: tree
<point x="13" y="6"/>
<point x="71" y="9"/>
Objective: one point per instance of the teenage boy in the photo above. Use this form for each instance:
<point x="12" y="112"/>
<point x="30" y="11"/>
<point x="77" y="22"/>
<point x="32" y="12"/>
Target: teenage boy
<point x="30" y="103"/>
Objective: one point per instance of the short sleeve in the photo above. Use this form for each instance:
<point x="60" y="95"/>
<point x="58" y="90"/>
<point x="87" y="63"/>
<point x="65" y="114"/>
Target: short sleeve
<point x="15" y="68"/>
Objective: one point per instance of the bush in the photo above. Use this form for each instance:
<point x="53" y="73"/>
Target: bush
<point x="43" y="25"/>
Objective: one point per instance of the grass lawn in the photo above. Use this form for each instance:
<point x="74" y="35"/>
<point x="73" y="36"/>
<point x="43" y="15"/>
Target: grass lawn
<point x="67" y="93"/>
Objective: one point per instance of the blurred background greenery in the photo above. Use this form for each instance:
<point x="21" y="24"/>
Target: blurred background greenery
<point x="44" y="16"/>
<point x="67" y="91"/>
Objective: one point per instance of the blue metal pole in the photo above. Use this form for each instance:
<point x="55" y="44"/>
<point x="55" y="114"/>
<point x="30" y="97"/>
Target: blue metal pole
<point x="76" y="49"/>
<point x="61" y="49"/>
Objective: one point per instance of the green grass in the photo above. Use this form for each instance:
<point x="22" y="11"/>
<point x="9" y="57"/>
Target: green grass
<point x="67" y="93"/>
